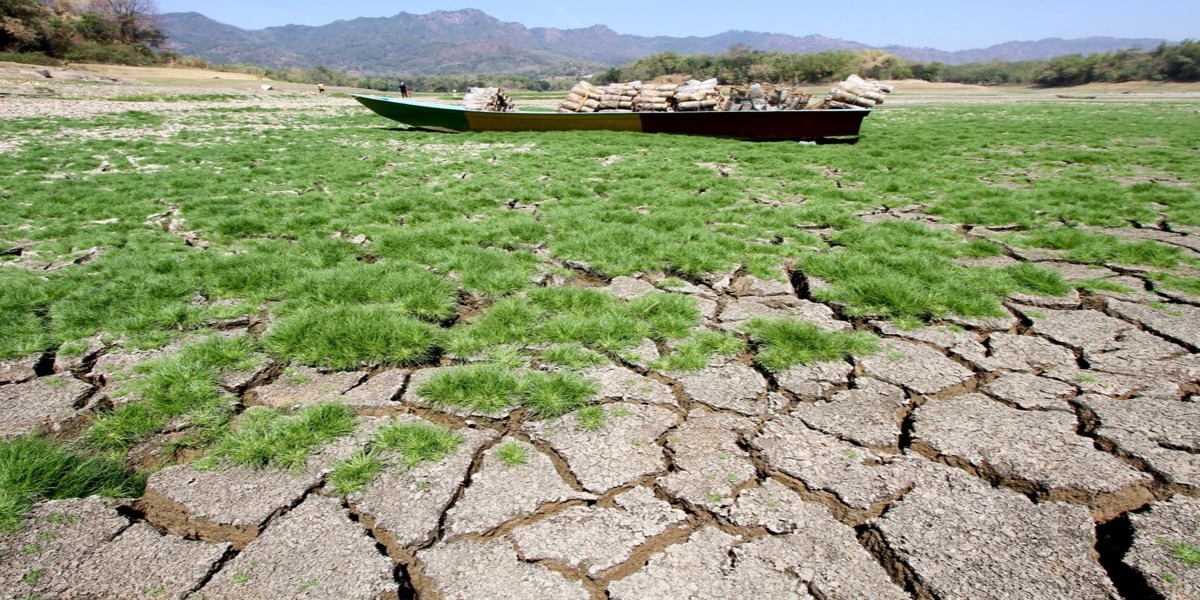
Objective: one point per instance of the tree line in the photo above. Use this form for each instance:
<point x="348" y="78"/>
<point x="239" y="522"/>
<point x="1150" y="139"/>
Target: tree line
<point x="117" y="31"/>
<point x="740" y="65"/>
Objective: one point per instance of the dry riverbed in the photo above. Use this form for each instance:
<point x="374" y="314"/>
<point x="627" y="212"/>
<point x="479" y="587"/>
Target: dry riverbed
<point x="1052" y="452"/>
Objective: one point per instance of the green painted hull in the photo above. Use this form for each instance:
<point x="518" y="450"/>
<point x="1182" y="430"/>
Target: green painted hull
<point x="747" y="125"/>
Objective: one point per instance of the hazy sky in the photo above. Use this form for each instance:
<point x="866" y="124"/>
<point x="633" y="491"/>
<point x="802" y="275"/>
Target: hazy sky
<point x="943" y="24"/>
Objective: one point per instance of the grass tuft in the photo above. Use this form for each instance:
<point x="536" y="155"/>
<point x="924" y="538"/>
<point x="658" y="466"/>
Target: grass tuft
<point x="417" y="442"/>
<point x="34" y="468"/>
<point x="591" y="418"/>
<point x="1101" y="285"/>
<point x="573" y="355"/>
<point x="347" y="337"/>
<point x="1100" y="248"/>
<point x="354" y="473"/>
<point x="512" y="454"/>
<point x="785" y="343"/>
<point x="1183" y="551"/>
<point x="266" y="438"/>
<point x="697" y="352"/>
<point x="555" y="394"/>
<point x="484" y="387"/>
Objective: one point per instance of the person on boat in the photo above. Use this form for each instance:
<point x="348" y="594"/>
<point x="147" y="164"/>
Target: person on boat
<point x="403" y="90"/>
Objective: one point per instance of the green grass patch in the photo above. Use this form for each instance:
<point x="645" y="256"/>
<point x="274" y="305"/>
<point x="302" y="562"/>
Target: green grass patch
<point x="698" y="350"/>
<point x="556" y="393"/>
<point x="784" y="343"/>
<point x="264" y="437"/>
<point x="512" y="454"/>
<point x="354" y="473"/>
<point x="573" y="355"/>
<point x="346" y="337"/>
<point x="417" y="442"/>
<point x="185" y="385"/>
<point x="1183" y="551"/>
<point x="1187" y="285"/>
<point x="35" y="468"/>
<point x="30" y="58"/>
<point x="1101" y="285"/>
<point x="165" y="389"/>
<point x="591" y="418"/>
<point x="483" y="387"/>
<point x="577" y="316"/>
<point x="414" y="443"/>
<point x="489" y="389"/>
<point x="407" y="289"/>
<point x="905" y="270"/>
<point x="1100" y="248"/>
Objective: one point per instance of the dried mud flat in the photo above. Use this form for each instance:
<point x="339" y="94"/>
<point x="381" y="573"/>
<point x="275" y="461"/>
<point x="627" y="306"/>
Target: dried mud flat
<point x="1050" y="453"/>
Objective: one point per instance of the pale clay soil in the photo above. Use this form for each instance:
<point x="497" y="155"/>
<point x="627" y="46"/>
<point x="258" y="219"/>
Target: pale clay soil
<point x="1050" y="453"/>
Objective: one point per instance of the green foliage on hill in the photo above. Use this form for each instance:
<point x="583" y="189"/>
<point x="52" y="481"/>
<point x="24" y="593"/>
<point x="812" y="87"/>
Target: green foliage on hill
<point x="111" y="31"/>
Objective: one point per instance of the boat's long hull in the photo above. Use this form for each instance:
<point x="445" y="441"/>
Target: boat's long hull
<point x="746" y="125"/>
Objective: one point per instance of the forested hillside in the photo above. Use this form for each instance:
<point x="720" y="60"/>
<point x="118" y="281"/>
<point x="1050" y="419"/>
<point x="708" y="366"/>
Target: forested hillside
<point x="119" y="31"/>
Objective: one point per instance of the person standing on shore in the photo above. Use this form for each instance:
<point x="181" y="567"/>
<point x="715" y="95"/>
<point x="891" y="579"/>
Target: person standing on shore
<point x="403" y="90"/>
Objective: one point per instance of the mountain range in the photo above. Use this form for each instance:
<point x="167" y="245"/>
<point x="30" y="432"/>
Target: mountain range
<point x="470" y="41"/>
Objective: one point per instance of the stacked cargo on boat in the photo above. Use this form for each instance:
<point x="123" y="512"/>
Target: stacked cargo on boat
<point x="694" y="95"/>
<point x="856" y="92"/>
<point x="489" y="99"/>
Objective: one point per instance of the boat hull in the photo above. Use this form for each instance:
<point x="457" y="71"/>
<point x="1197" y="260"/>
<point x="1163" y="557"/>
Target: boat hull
<point x="745" y="125"/>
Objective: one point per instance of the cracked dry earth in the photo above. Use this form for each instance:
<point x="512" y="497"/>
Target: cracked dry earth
<point x="1050" y="453"/>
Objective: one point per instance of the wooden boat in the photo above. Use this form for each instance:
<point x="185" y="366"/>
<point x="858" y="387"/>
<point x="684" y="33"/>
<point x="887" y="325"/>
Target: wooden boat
<point x="745" y="125"/>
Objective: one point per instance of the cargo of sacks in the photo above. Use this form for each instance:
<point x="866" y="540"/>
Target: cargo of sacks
<point x="856" y="92"/>
<point x="765" y="96"/>
<point x="489" y="99"/>
<point x="693" y="95"/>
<point x="637" y="96"/>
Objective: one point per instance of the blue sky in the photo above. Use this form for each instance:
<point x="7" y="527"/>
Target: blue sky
<point x="943" y="24"/>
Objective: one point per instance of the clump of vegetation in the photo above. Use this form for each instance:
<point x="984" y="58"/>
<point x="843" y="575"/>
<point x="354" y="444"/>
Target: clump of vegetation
<point x="482" y="387"/>
<point x="1183" y="551"/>
<point x="119" y="32"/>
<point x="350" y="336"/>
<point x="575" y="317"/>
<point x="264" y="437"/>
<point x="575" y="356"/>
<point x="555" y="394"/>
<point x="1099" y="248"/>
<point x="33" y="468"/>
<point x="739" y="64"/>
<point x="785" y="343"/>
<point x="417" y="442"/>
<point x="905" y="270"/>
<point x="697" y="351"/>
<point x="1101" y="285"/>
<point x="489" y="389"/>
<point x="512" y="454"/>
<point x="414" y="443"/>
<point x="185" y="385"/>
<point x="356" y="472"/>
<point x="406" y="289"/>
<point x="591" y="418"/>
<point x="1187" y="285"/>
